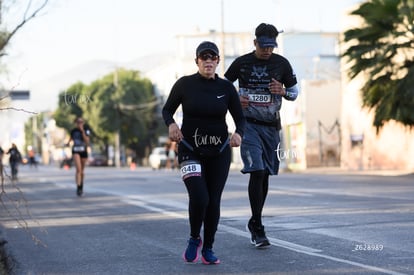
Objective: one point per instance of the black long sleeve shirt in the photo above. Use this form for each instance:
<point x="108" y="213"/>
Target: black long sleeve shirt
<point x="205" y="103"/>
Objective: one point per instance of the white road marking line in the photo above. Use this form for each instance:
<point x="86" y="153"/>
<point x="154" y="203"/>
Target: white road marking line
<point x="276" y="242"/>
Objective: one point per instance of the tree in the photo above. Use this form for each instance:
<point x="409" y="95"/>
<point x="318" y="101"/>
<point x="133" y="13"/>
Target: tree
<point x="382" y="50"/>
<point x="7" y="33"/>
<point x="70" y="106"/>
<point x="124" y="102"/>
<point x="29" y="13"/>
<point x="121" y="102"/>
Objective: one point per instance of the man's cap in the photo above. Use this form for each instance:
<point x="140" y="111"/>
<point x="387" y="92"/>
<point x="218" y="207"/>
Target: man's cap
<point x="266" y="42"/>
<point x="207" y="46"/>
<point x="266" y="35"/>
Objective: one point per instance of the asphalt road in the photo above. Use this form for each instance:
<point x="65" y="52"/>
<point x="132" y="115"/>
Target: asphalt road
<point x="135" y="222"/>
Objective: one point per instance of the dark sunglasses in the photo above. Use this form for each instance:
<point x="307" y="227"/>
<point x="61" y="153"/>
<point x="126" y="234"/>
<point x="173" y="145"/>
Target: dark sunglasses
<point x="206" y="56"/>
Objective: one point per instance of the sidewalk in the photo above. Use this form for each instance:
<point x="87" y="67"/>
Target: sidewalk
<point x="343" y="171"/>
<point x="332" y="170"/>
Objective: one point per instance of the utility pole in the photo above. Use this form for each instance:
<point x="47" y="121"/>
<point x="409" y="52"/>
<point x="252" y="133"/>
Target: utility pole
<point x="117" y="154"/>
<point x="35" y="131"/>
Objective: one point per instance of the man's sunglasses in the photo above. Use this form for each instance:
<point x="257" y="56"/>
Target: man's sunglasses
<point x="206" y="56"/>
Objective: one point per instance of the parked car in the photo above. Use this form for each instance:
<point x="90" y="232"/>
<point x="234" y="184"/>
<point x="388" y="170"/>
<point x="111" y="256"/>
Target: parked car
<point x="158" y="158"/>
<point x="97" y="160"/>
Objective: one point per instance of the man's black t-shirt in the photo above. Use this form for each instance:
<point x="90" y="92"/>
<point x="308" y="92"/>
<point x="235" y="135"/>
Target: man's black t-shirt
<point x="254" y="76"/>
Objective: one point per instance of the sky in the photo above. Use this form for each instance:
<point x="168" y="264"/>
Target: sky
<point x="69" y="33"/>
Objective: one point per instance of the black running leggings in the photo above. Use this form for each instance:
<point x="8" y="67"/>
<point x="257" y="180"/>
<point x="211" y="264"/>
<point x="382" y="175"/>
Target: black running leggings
<point x="205" y="192"/>
<point x="258" y="188"/>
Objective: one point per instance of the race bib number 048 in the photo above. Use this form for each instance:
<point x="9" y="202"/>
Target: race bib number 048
<point x="190" y="168"/>
<point x="260" y="98"/>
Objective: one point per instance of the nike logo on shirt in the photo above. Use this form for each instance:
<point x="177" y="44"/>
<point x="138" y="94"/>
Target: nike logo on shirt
<point x="220" y="96"/>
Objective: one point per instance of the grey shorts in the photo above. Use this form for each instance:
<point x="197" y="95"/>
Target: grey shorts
<point x="258" y="149"/>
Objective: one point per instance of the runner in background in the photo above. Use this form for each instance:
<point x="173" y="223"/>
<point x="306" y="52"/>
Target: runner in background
<point x="79" y="136"/>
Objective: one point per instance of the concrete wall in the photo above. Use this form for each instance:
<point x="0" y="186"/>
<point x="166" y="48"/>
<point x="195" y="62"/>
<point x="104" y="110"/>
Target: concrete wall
<point x="363" y="148"/>
<point x="323" y="110"/>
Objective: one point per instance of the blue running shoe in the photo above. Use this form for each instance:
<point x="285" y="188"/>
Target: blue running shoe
<point x="191" y="254"/>
<point x="208" y="256"/>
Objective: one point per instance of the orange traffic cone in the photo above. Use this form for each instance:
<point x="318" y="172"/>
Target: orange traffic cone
<point x="66" y="167"/>
<point x="132" y="166"/>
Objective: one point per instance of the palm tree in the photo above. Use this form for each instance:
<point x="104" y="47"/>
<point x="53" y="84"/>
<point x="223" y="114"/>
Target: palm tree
<point x="382" y="49"/>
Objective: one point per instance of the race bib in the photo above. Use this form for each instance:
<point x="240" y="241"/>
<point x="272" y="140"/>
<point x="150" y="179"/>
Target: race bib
<point x="190" y="168"/>
<point x="79" y="148"/>
<point x="260" y="98"/>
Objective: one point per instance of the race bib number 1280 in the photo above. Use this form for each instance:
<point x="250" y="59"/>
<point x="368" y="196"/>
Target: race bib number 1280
<point x="190" y="168"/>
<point x="260" y="98"/>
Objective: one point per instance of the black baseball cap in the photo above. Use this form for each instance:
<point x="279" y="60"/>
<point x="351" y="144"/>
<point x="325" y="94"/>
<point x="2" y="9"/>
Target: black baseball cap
<point x="266" y="42"/>
<point x="266" y="35"/>
<point x="207" y="46"/>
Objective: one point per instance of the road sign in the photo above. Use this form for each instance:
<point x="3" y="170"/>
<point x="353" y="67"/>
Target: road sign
<point x="19" y="95"/>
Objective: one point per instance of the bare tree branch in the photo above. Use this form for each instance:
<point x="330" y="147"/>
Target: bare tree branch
<point x="4" y="97"/>
<point x="17" y="109"/>
<point x="27" y="9"/>
<point x="19" y="26"/>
